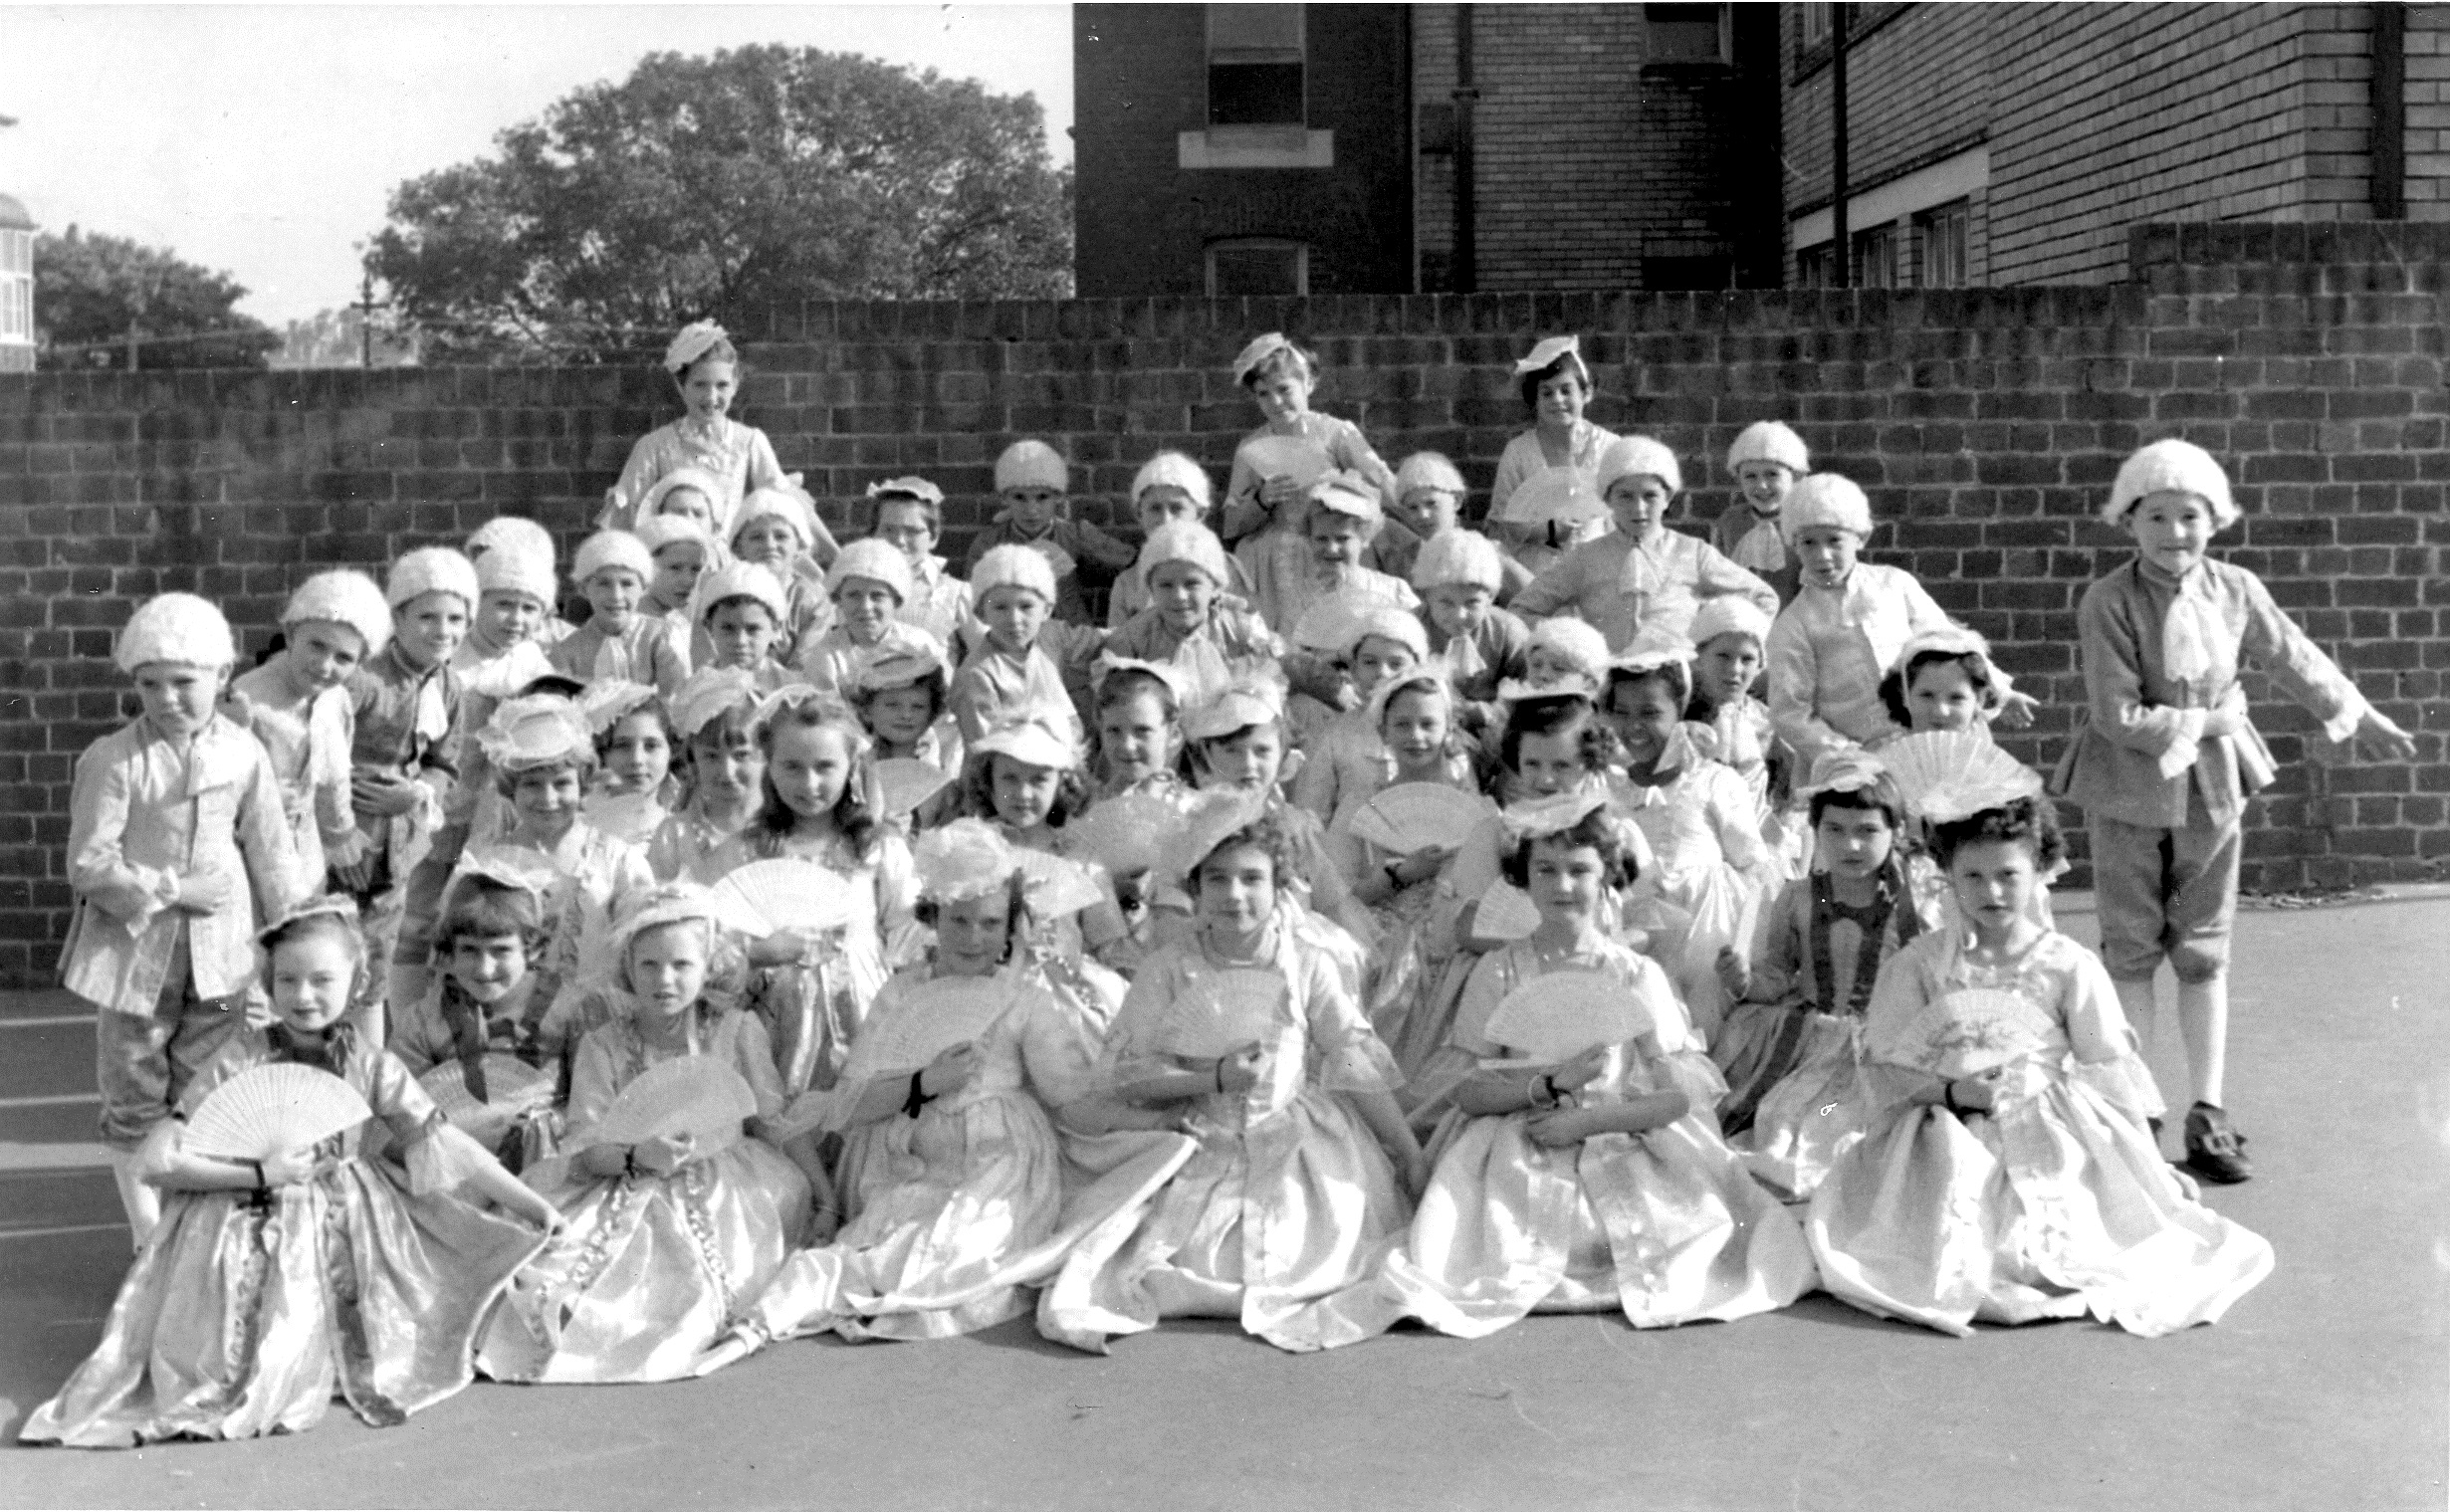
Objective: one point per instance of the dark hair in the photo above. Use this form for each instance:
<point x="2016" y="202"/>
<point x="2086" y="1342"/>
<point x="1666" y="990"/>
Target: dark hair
<point x="1880" y="797"/>
<point x="1568" y="364"/>
<point x="1901" y="681"/>
<point x="722" y="351"/>
<point x="1189" y="764"/>
<point x="978" y="790"/>
<point x="305" y="926"/>
<point x="1124" y="683"/>
<point x="653" y="707"/>
<point x="776" y="819"/>
<point x="1676" y="677"/>
<point x="706" y="615"/>
<point x="1276" y="361"/>
<point x="939" y="692"/>
<point x="1617" y="864"/>
<point x="584" y="763"/>
<point x="2030" y="822"/>
<point x="1557" y="714"/>
<point x="1016" y="894"/>
<point x="481" y="907"/>
<point x="1272" y="834"/>
<point x="935" y="511"/>
<point x="553" y="683"/>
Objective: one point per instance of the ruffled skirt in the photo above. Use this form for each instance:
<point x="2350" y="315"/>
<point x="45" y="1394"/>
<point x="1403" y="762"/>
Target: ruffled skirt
<point x="1795" y="1095"/>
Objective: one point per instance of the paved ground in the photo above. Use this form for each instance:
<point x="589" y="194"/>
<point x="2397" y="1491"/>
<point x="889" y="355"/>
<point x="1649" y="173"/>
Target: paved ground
<point x="2326" y="1388"/>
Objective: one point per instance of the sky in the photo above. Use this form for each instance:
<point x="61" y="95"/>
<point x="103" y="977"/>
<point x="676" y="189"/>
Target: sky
<point x="264" y="142"/>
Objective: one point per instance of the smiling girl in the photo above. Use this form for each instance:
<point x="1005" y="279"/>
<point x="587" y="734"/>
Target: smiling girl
<point x="736" y="458"/>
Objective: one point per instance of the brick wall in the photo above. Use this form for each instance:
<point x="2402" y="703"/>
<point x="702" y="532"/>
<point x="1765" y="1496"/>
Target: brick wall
<point x="1985" y="423"/>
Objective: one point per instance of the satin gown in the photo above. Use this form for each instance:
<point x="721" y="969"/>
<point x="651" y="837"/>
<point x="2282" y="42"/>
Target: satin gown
<point x="242" y="1319"/>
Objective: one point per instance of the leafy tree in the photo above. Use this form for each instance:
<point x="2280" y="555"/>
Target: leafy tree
<point x="90" y="291"/>
<point x="719" y="187"/>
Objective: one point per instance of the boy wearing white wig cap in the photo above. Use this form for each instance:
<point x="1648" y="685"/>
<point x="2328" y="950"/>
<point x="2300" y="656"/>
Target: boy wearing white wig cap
<point x="1458" y="575"/>
<point x="2167" y="755"/>
<point x="1168" y="489"/>
<point x="176" y="845"/>
<point x="298" y="705"/>
<point x="1036" y="484"/>
<point x="1026" y="661"/>
<point x="1767" y="458"/>
<point x="530" y="547"/>
<point x="621" y="640"/>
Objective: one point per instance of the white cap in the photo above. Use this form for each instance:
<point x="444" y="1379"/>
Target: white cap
<point x="913" y="487"/>
<point x="877" y="562"/>
<point x="1571" y="640"/>
<point x="780" y="504"/>
<point x="655" y="531"/>
<point x="1653" y="647"/>
<point x="1012" y="568"/>
<point x="1549" y="351"/>
<point x="512" y="531"/>
<point x="1261" y="347"/>
<point x="432" y="569"/>
<point x="1173" y="470"/>
<point x="516" y="567"/>
<point x="1427" y="470"/>
<point x="1254" y="698"/>
<point x="1348" y="493"/>
<point x="1387" y="622"/>
<point x="540" y="730"/>
<point x="1729" y="614"/>
<point x="966" y="858"/>
<point x="1638" y="456"/>
<point x="1032" y="465"/>
<point x="1821" y="500"/>
<point x="1458" y="555"/>
<point x="693" y="341"/>
<point x="343" y="597"/>
<point x="2171" y="466"/>
<point x="1030" y="739"/>
<point x="1185" y="540"/>
<point x="1771" y="441"/>
<point x="697" y="478"/>
<point x="612" y="549"/>
<point x="744" y="579"/>
<point x="179" y="628"/>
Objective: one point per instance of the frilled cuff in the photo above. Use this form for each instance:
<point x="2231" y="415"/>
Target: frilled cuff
<point x="2185" y="741"/>
<point x="2339" y="727"/>
<point x="427" y="816"/>
<point x="2125" y="1083"/>
<point x="135" y="902"/>
<point x="1361" y="1064"/>
<point x="443" y="1159"/>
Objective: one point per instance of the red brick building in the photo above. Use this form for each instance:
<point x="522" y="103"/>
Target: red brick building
<point x="2013" y="143"/>
<point x="1268" y="149"/>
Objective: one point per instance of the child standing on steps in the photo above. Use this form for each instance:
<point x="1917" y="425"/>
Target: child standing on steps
<point x="2165" y="761"/>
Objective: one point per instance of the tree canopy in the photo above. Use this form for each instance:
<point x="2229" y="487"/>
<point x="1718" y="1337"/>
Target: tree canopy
<point x="718" y="187"/>
<point x="90" y="291"/>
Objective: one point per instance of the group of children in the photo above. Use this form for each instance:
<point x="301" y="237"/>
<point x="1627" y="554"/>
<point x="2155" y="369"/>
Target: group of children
<point x="1376" y="918"/>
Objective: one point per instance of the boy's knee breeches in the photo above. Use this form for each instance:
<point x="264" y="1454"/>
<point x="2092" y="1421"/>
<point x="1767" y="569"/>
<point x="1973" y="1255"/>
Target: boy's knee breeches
<point x="2166" y="894"/>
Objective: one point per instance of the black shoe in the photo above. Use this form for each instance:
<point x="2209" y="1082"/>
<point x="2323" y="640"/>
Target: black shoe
<point x="2215" y="1150"/>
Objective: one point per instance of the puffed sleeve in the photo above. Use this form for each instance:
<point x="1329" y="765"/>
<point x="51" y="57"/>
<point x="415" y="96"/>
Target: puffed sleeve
<point x="2103" y="1052"/>
<point x="97" y="864"/>
<point x="1345" y="1053"/>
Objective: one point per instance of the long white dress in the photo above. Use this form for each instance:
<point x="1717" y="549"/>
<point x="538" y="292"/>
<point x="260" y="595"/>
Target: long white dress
<point x="1709" y="879"/>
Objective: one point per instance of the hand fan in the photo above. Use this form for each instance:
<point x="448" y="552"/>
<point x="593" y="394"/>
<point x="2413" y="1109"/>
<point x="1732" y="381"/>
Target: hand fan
<point x="929" y="1020"/>
<point x="265" y="1110"/>
<point x="1962" y="1033"/>
<point x="1329" y="623"/>
<point x="693" y="1095"/>
<point x="512" y="1088"/>
<point x="1296" y="457"/>
<point x="1220" y="1013"/>
<point x="1414" y="816"/>
<point x="1057" y="887"/>
<point x="627" y="817"/>
<point x="1124" y="833"/>
<point x="1560" y="495"/>
<point x="1506" y="911"/>
<point x="1947" y="774"/>
<point x="1558" y="1016"/>
<point x="908" y="783"/>
<point x="766" y="896"/>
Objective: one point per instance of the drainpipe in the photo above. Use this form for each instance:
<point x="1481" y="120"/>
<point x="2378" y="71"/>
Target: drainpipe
<point x="1467" y="211"/>
<point x="2388" y="186"/>
<point x="1842" y="241"/>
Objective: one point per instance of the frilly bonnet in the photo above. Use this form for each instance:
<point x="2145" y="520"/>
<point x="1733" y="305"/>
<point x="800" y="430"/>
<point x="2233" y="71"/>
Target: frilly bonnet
<point x="610" y="700"/>
<point x="787" y="505"/>
<point x="1573" y="641"/>
<point x="1348" y="493"/>
<point x="964" y="859"/>
<point x="693" y="341"/>
<point x="343" y="597"/>
<point x="339" y="907"/>
<point x="1550" y="351"/>
<point x="1173" y="675"/>
<point x="706" y="484"/>
<point x="1032" y="738"/>
<point x="1207" y="821"/>
<point x="706" y="694"/>
<point x="897" y="663"/>
<point x="1254" y="698"/>
<point x="179" y="628"/>
<point x="1431" y="677"/>
<point x="540" y="729"/>
<point x="1250" y="360"/>
<point x="666" y="903"/>
<point x="1652" y="648"/>
<point x="912" y="487"/>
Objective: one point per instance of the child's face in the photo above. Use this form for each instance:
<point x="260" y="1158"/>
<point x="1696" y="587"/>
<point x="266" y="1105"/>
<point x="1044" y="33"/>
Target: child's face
<point x="1033" y="508"/>
<point x="1182" y="594"/>
<point x="726" y="764"/>
<point x="615" y="592"/>
<point x="1993" y="881"/>
<point x="972" y="933"/>
<point x="1336" y="540"/>
<point x="430" y="626"/>
<point x="1426" y="512"/>
<point x="639" y="756"/>
<point x="676" y="572"/>
<point x="810" y="767"/>
<point x="311" y="979"/>
<point x="706" y="387"/>
<point x="743" y="632"/>
<point x="1726" y="668"/>
<point x="1643" y="715"/>
<point x="1941" y="696"/>
<point x="1135" y="736"/>
<point x="2172" y="530"/>
<point x="1547" y="764"/>
<point x="179" y="698"/>
<point x="1164" y="504"/>
<point x="689" y="504"/>
<point x="488" y="967"/>
<point x="1558" y="401"/>
<point x="1247" y="759"/>
<point x="1828" y="554"/>
<point x="1377" y="659"/>
<point x="867" y="606"/>
<point x="1237" y="889"/>
<point x="900" y="715"/>
<point x="547" y="801"/>
<point x="510" y="616"/>
<point x="1851" y="843"/>
<point x="1415" y="729"/>
<point x="667" y="966"/>
<point x="1014" y="616"/>
<point x="1566" y="880"/>
<point x="1460" y="607"/>
<point x="1638" y="502"/>
<point x="769" y="540"/>
<point x="1023" y="794"/>
<point x="323" y="654"/>
<point x="1765" y="484"/>
<point x="1283" y="394"/>
<point x="1546" y="664"/>
<point x="904" y="524"/>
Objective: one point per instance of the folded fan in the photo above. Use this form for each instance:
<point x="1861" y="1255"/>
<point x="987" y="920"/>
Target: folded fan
<point x="908" y="783"/>
<point x="1506" y="911"/>
<point x="1416" y="816"/>
<point x="513" y="1088"/>
<point x="1558" y="1016"/>
<point x="1558" y="495"/>
<point x="767" y="895"/>
<point x="694" y="1096"/>
<point x="266" y="1111"/>
<point x="926" y="1022"/>
<point x="1295" y="457"/>
<point x="1962" y="1033"/>
<point x="1220" y="1013"/>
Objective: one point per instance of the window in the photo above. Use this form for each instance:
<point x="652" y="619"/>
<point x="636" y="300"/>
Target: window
<point x="1816" y="267"/>
<point x="1254" y="66"/>
<point x="1943" y="233"/>
<point x="1816" y="21"/>
<point x="16" y="313"/>
<point x="1686" y="33"/>
<point x="1257" y="266"/>
<point x="1876" y="258"/>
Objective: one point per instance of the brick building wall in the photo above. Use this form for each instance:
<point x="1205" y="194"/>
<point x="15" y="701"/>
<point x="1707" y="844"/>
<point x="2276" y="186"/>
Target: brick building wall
<point x="1985" y="423"/>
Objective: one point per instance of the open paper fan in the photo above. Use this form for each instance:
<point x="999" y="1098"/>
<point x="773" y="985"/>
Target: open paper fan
<point x="1560" y="1015"/>
<point x="693" y="1095"/>
<point x="766" y="896"/>
<point x="1558" y="495"/>
<point x="1962" y="1033"/>
<point x="1506" y="911"/>
<point x="1125" y="833"/>
<point x="929" y="1020"/>
<point x="1056" y="887"/>
<point x="907" y="784"/>
<point x="1414" y="816"/>
<point x="1295" y="457"/>
<point x="1947" y="775"/>
<point x="1222" y="1012"/>
<point x="265" y="1110"/>
<point x="512" y="1088"/>
<point x="1329" y="623"/>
